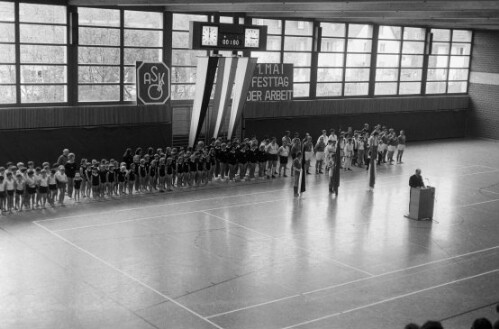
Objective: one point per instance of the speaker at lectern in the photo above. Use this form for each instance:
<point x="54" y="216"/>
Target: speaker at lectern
<point x="421" y="203"/>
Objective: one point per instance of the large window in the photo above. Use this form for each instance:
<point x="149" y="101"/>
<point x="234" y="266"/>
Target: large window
<point x="344" y="60"/>
<point x="274" y="40"/>
<point x="143" y="42"/>
<point x="293" y="44"/>
<point x="399" y="64"/>
<point x="108" y="51"/>
<point x="449" y="60"/>
<point x="99" y="55"/>
<point x="43" y="53"/>
<point x="7" y="54"/>
<point x="298" y="42"/>
<point x="331" y="62"/>
<point x="37" y="65"/>
<point x="184" y="60"/>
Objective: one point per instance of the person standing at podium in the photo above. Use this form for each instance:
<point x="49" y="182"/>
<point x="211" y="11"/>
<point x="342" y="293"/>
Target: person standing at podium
<point x="416" y="180"/>
<point x="422" y="198"/>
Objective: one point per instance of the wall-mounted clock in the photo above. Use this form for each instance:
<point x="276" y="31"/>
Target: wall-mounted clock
<point x="209" y="36"/>
<point x="252" y="38"/>
<point x="212" y="36"/>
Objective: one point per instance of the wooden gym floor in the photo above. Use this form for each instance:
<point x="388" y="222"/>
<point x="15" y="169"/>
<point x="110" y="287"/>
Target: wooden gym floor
<point x="250" y="255"/>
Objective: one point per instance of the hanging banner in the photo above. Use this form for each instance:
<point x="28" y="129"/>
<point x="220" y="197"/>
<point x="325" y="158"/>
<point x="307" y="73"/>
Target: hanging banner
<point x="153" y="82"/>
<point x="271" y="83"/>
<point x="245" y="66"/>
<point x="225" y="82"/>
<point x="205" y="76"/>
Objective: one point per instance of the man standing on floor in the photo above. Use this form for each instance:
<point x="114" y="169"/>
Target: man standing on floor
<point x="400" y="146"/>
<point x="308" y="149"/>
<point x="335" y="177"/>
<point x="286" y="138"/>
<point x="416" y="180"/>
<point x="329" y="155"/>
<point x="63" y="158"/>
<point x="297" y="170"/>
<point x="373" y="150"/>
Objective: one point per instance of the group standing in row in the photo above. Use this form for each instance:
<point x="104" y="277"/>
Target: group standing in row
<point x="29" y="186"/>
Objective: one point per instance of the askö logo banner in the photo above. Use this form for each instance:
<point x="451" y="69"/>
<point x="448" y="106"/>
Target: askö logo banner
<point x="153" y="83"/>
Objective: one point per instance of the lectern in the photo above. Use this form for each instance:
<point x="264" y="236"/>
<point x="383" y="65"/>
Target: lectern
<point x="421" y="204"/>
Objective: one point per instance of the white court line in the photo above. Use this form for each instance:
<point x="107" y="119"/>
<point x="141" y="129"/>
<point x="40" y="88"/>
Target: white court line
<point x="351" y="282"/>
<point x="131" y="277"/>
<point x="159" y="205"/>
<point x="197" y="211"/>
<point x="160" y="216"/>
<point x="223" y="197"/>
<point x="489" y="191"/>
<point x="485" y="166"/>
<point x="274" y="238"/>
<point x="245" y="204"/>
<point x="478" y="173"/>
<point x="477" y="203"/>
<point x="193" y="212"/>
<point x="391" y="299"/>
<point x="198" y="200"/>
<point x="236" y="224"/>
<point x="182" y="202"/>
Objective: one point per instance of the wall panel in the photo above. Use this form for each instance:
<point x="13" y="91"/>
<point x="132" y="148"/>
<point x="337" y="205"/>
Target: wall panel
<point x="484" y="88"/>
<point x="46" y="144"/>
<point x="355" y="106"/>
<point x="417" y="125"/>
<point x="91" y="115"/>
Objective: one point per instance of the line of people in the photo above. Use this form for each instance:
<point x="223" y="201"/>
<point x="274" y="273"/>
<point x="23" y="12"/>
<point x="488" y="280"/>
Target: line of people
<point x="29" y="187"/>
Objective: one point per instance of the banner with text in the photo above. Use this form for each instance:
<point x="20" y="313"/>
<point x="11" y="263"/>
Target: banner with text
<point x="271" y="83"/>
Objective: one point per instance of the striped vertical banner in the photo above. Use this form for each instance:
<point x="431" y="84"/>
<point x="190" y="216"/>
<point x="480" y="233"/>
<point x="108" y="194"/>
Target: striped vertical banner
<point x="244" y="73"/>
<point x="205" y="75"/>
<point x="225" y="82"/>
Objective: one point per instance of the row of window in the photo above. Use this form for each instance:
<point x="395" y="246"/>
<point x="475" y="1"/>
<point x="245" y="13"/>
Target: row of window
<point x="109" y="44"/>
<point x="345" y="58"/>
<point x="106" y="60"/>
<point x="34" y="58"/>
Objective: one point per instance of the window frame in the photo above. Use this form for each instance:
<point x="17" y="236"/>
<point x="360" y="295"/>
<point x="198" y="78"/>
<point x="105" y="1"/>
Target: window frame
<point x="79" y="45"/>
<point x="165" y="49"/>
<point x="122" y="84"/>
<point x="402" y="40"/>
<point x="18" y="64"/>
<point x="310" y="67"/>
<point x="176" y="48"/>
<point x="346" y="38"/>
<point x="448" y="67"/>
<point x="15" y="62"/>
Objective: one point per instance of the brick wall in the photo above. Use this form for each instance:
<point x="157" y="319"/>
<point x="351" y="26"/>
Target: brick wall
<point x="484" y="85"/>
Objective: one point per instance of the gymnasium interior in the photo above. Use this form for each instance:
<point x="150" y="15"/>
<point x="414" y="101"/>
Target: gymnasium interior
<point x="249" y="253"/>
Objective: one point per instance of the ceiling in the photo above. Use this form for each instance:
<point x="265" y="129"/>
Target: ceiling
<point x="471" y="14"/>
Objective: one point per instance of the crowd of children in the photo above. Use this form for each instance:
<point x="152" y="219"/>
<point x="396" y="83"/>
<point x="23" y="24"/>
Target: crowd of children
<point x="28" y="186"/>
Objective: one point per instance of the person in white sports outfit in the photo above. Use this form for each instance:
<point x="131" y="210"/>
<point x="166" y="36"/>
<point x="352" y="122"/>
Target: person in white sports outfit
<point x="401" y="146"/>
<point x="329" y="153"/>
<point x="308" y="149"/>
<point x="319" y="149"/>
<point x="360" y="151"/>
<point x="348" y="151"/>
<point x="283" y="153"/>
<point x="272" y="148"/>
